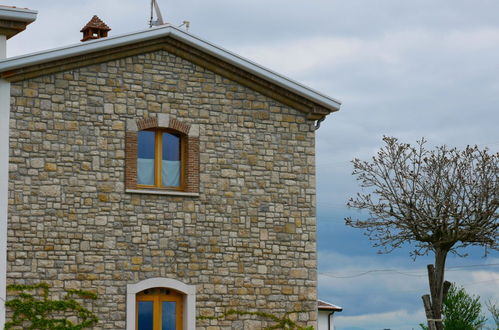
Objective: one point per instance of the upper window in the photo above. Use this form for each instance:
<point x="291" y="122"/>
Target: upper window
<point x="160" y="161"/>
<point x="162" y="156"/>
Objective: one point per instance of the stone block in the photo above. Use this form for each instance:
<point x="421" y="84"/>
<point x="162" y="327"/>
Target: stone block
<point x="50" y="190"/>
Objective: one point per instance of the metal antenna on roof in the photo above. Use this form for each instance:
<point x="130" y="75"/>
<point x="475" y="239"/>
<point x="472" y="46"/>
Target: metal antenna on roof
<point x="187" y="24"/>
<point x="159" y="17"/>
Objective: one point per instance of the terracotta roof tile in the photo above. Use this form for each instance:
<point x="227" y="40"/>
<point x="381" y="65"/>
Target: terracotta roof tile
<point x="13" y="7"/>
<point x="328" y="306"/>
<point x="96" y="23"/>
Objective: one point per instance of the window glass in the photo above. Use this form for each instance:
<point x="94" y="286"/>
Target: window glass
<point x="169" y="315"/>
<point x="145" y="161"/>
<point x="145" y="315"/>
<point x="159" y="309"/>
<point x="170" y="176"/>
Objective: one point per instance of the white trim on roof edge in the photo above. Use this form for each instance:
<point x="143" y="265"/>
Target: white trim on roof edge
<point x="330" y="307"/>
<point x="171" y="31"/>
<point x="17" y="14"/>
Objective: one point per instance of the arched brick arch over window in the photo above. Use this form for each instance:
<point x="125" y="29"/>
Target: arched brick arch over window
<point x="162" y="156"/>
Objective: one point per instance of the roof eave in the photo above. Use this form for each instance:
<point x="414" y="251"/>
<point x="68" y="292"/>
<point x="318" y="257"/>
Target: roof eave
<point x="336" y="309"/>
<point x="18" y="14"/>
<point x="329" y="306"/>
<point x="168" y="30"/>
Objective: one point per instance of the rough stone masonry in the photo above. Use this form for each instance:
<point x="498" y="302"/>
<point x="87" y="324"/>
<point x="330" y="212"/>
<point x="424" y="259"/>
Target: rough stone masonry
<point x="247" y="242"/>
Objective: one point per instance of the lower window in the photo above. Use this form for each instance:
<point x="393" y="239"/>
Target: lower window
<point x="159" y="309"/>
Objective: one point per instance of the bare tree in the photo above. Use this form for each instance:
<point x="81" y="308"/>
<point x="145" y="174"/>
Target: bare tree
<point x="438" y="200"/>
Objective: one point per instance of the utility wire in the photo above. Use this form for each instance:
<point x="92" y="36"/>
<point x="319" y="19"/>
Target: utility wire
<point x="402" y="272"/>
<point x="399" y="290"/>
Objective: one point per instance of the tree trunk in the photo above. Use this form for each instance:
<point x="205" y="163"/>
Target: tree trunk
<point x="436" y="281"/>
<point x="429" y="312"/>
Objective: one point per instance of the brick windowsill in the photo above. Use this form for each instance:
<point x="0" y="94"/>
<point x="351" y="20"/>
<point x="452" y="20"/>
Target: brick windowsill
<point x="162" y="192"/>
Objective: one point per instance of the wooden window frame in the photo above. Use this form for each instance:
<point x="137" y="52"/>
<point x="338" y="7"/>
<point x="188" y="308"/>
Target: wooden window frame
<point x="158" y="156"/>
<point x="187" y="291"/>
<point x="157" y="297"/>
<point x="190" y="167"/>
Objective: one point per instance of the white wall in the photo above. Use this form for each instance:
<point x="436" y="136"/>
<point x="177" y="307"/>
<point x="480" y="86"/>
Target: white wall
<point x="26" y="16"/>
<point x="3" y="47"/>
<point x="322" y="320"/>
<point x="4" y="181"/>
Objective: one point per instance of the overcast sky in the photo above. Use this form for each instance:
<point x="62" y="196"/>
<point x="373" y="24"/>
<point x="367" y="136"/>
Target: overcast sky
<point x="401" y="68"/>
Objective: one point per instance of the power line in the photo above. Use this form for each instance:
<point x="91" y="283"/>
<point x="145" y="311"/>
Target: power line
<point x="399" y="290"/>
<point x="472" y="283"/>
<point x="473" y="266"/>
<point x="402" y="272"/>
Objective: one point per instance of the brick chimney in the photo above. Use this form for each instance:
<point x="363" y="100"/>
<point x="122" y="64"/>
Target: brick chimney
<point x="95" y="29"/>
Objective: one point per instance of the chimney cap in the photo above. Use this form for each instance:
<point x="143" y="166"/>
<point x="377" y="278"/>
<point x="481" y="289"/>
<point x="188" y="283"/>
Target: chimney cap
<point x="96" y="23"/>
<point x="95" y="29"/>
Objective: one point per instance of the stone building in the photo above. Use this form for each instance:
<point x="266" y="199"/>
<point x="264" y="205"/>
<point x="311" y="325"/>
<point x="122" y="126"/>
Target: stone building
<point x="157" y="168"/>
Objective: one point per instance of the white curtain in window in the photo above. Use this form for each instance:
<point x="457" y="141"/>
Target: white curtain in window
<point x="145" y="171"/>
<point x="171" y="173"/>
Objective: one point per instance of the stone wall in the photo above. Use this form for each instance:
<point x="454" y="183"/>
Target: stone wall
<point x="247" y="242"/>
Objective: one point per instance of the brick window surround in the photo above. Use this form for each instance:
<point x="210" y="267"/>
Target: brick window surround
<point x="162" y="121"/>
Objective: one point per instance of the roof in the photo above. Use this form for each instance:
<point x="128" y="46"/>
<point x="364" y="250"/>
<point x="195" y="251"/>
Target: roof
<point x="168" y="30"/>
<point x="4" y="6"/>
<point x="96" y="23"/>
<point x="16" y="8"/>
<point x="17" y="14"/>
<point x="325" y="306"/>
